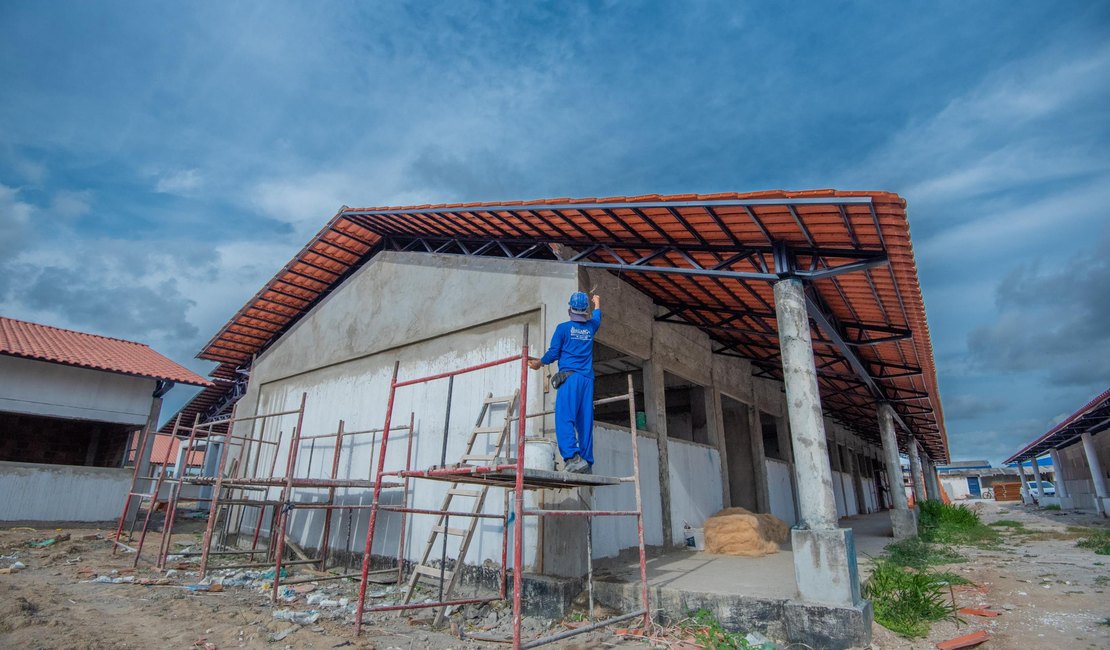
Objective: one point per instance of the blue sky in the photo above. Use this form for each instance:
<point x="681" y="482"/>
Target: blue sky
<point x="160" y="160"/>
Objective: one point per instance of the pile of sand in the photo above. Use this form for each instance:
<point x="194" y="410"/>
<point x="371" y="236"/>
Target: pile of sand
<point x="736" y="531"/>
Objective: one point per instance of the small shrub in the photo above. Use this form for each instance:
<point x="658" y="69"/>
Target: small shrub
<point x="1098" y="541"/>
<point x="905" y="601"/>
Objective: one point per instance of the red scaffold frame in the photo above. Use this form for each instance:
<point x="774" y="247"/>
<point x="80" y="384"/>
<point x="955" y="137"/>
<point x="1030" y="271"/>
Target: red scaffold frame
<point x="486" y="473"/>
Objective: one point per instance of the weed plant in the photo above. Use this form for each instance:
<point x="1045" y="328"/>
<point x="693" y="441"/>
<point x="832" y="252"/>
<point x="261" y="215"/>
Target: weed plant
<point x="1098" y="541"/>
<point x="708" y="633"/>
<point x="943" y="523"/>
<point x="907" y="601"/>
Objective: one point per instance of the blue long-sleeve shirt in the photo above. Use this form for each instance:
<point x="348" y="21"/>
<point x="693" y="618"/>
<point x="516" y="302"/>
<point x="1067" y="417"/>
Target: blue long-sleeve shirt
<point x="572" y="345"/>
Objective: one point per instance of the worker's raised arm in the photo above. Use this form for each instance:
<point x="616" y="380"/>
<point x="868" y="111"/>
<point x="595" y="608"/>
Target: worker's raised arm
<point x="596" y="316"/>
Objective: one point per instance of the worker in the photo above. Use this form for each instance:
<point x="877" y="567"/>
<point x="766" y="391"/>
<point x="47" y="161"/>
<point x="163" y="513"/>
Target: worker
<point x="573" y="346"/>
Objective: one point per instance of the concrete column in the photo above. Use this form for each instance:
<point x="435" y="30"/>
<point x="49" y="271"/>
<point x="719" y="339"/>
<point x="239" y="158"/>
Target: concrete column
<point x="1025" y="481"/>
<point x="824" y="555"/>
<point x="918" y="476"/>
<point x="655" y="409"/>
<point x="759" y="458"/>
<point x="1061" y="478"/>
<point x="857" y="480"/>
<point x="1036" y="483"/>
<point x="932" y="484"/>
<point x="1097" y="477"/>
<point x="902" y="519"/>
<point x="715" y="427"/>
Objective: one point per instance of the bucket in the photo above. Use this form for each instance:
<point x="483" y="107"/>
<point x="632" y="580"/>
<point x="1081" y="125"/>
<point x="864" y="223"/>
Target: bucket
<point x="695" y="538"/>
<point x="539" y="453"/>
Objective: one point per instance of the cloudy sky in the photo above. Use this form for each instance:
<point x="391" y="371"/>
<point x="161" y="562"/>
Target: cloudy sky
<point x="160" y="160"/>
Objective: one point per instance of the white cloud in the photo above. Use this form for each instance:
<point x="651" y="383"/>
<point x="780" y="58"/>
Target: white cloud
<point x="1004" y="133"/>
<point x="71" y="205"/>
<point x="185" y="181"/>
<point x="15" y="216"/>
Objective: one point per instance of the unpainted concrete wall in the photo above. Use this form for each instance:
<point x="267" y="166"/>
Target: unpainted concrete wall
<point x="34" y="492"/>
<point x="432" y="314"/>
<point x="54" y="390"/>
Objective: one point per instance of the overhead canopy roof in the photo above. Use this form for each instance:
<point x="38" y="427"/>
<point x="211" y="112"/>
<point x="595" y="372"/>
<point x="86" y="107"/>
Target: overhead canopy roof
<point x="708" y="261"/>
<point x="1092" y="418"/>
<point x="68" y="347"/>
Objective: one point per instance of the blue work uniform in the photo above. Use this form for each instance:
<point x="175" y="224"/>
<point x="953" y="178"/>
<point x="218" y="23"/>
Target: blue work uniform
<point x="573" y="346"/>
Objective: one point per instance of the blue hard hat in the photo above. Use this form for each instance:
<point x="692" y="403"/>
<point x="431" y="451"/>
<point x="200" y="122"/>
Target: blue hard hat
<point x="579" y="302"/>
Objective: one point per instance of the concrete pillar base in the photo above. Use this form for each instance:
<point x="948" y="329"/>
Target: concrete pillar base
<point x="825" y="566"/>
<point x="819" y="626"/>
<point x="904" y="523"/>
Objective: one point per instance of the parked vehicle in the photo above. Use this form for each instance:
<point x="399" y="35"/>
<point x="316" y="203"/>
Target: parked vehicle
<point x="1041" y="488"/>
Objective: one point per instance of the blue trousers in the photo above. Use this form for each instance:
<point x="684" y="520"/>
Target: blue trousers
<point x="574" y="412"/>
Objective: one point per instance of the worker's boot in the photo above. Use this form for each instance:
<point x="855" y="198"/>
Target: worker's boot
<point x="576" y="464"/>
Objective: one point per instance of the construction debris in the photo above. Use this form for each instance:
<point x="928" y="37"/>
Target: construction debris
<point x="965" y="641"/>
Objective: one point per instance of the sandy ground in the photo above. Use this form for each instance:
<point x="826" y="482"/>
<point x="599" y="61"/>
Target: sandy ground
<point x="1051" y="594"/>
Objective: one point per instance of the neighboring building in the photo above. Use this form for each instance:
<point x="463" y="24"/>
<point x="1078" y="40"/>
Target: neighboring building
<point x="973" y="479"/>
<point x="166" y="454"/>
<point x="70" y="405"/>
<point x="691" y="308"/>
<point x="1079" y="448"/>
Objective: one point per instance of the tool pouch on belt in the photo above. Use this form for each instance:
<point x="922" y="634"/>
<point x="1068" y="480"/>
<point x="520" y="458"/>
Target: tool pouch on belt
<point x="558" y="378"/>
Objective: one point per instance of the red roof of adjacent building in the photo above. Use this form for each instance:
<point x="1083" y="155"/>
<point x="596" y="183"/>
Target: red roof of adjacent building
<point x="44" y="343"/>
<point x="854" y="247"/>
<point x="165" y="451"/>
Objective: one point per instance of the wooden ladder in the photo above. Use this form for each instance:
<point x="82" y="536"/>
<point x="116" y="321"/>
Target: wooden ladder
<point x="477" y="493"/>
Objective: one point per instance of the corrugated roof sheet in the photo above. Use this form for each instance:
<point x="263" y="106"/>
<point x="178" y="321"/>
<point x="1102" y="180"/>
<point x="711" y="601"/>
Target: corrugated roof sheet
<point x="881" y="309"/>
<point x="1093" y="417"/>
<point x="45" y="343"/>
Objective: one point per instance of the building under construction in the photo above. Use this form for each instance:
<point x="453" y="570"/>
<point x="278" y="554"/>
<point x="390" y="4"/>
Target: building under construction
<point x="779" y="359"/>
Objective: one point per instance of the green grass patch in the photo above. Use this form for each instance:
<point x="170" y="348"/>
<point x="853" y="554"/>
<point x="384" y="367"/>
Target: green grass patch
<point x="943" y="523"/>
<point x="917" y="553"/>
<point x="1007" y="523"/>
<point x="907" y="601"/>
<point x="1054" y="506"/>
<point x="1097" y="541"/>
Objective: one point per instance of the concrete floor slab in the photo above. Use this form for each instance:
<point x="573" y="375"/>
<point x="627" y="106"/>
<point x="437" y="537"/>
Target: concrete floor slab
<point x="771" y="576"/>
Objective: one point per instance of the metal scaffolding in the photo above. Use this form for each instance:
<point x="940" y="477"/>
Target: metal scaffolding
<point x="239" y="495"/>
<point x="509" y="473"/>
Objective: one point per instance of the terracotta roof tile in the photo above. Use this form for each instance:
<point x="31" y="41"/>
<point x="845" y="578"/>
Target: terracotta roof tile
<point x="44" y="343"/>
<point x="857" y="221"/>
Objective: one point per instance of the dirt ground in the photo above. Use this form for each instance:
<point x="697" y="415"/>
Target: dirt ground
<point x="1049" y="592"/>
<point x="57" y="602"/>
